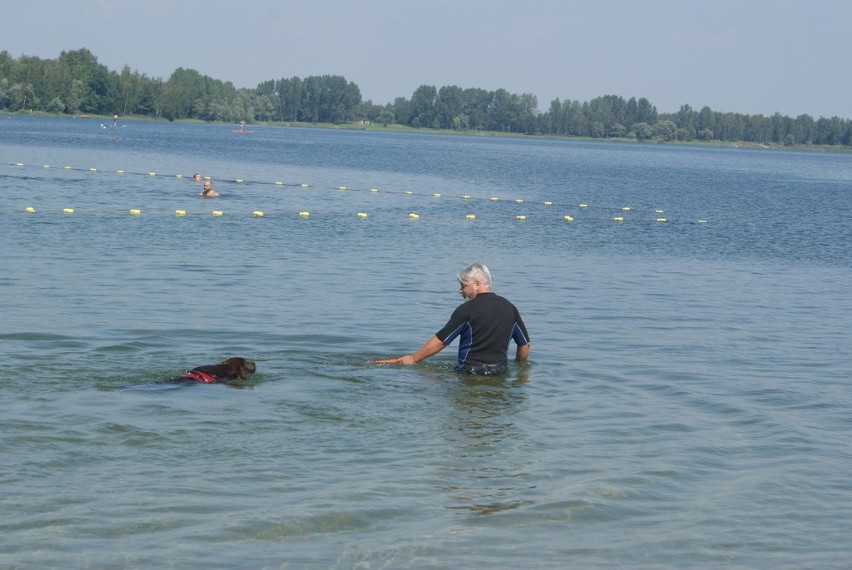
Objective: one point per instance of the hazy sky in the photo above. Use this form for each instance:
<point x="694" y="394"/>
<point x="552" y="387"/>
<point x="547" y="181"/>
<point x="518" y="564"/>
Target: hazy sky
<point x="745" y="56"/>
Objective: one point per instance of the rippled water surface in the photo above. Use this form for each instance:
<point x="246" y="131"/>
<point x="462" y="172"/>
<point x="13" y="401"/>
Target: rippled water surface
<point x="687" y="403"/>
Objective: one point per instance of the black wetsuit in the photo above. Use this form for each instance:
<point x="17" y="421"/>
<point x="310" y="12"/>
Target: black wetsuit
<point x="484" y="325"/>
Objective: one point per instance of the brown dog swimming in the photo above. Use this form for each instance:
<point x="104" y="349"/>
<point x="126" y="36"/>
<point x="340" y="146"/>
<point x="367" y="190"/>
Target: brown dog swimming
<point x="225" y="371"/>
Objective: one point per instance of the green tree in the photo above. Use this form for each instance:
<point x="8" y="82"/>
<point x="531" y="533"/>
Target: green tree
<point x="449" y="105"/>
<point x="290" y="95"/>
<point x="665" y="130"/>
<point x="803" y="129"/>
<point x="401" y="109"/>
<point x="422" y="106"/>
<point x="687" y="119"/>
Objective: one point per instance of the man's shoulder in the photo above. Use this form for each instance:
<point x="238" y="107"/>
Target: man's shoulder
<point x="491" y="297"/>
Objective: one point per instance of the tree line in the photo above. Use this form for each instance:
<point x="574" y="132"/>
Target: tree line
<point x="75" y="83"/>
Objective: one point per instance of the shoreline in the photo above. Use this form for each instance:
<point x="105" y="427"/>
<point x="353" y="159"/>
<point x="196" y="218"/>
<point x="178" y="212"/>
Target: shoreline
<point x="357" y="126"/>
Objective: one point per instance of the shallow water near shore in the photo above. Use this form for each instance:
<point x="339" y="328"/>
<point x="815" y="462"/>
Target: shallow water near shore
<point x="687" y="401"/>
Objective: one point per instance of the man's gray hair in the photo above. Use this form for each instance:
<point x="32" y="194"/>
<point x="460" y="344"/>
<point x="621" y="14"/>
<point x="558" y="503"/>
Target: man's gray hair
<point x="475" y="272"/>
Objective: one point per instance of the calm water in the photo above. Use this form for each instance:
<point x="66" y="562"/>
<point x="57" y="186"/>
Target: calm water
<point x="687" y="403"/>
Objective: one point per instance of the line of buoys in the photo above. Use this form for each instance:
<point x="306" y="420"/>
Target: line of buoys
<point x="493" y="199"/>
<point x="362" y="215"/>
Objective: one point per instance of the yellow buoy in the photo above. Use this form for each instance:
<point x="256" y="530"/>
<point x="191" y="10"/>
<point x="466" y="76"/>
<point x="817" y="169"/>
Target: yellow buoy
<point x="465" y="197"/>
<point x="568" y="218"/>
<point x="30" y="209"/>
<point x="19" y="164"/>
<point x="584" y="205"/>
<point x="436" y="195"/>
<point x="702" y="221"/>
<point x="362" y="215"/>
<point x="548" y="203"/>
<point x="67" y="167"/>
<point x="413" y="216"/>
<point x="257" y="214"/>
<point x="341" y="188"/>
<point x="180" y="212"/>
<point x="119" y="172"/>
<point x="45" y="166"/>
<point x="279" y="183"/>
<point x="239" y="180"/>
<point x="217" y="212"/>
<point x="470" y="217"/>
<point x="408" y="192"/>
<point x="68" y="210"/>
<point x="178" y="175"/>
<point x="135" y="212"/>
<point x="93" y="170"/>
<point x="661" y="219"/>
<point x="659" y="211"/>
<point x="618" y="219"/>
<point x="494" y="198"/>
<point x="304" y="185"/>
<point x="521" y="218"/>
<point x="152" y="174"/>
<point x="519" y="201"/>
<point x="625" y="209"/>
<point x="374" y="189"/>
<point x="304" y="214"/>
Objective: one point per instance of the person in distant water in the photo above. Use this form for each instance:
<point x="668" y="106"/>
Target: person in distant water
<point x="242" y="125"/>
<point x="115" y="120"/>
<point x="196" y="177"/>
<point x="208" y="191"/>
<point x="484" y="324"/>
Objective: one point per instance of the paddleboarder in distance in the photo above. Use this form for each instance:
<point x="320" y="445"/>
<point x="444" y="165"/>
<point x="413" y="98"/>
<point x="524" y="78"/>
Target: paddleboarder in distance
<point x="484" y="324"/>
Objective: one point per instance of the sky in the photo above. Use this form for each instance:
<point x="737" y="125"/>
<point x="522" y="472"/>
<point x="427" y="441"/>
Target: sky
<point x="742" y="56"/>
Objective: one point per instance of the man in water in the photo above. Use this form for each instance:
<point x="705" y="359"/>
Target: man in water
<point x="208" y="191"/>
<point x="484" y="323"/>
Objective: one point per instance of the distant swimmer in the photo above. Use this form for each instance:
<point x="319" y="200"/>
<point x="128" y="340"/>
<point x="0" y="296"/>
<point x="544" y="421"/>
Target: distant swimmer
<point x="196" y="177"/>
<point x="115" y="120"/>
<point x="208" y="191"/>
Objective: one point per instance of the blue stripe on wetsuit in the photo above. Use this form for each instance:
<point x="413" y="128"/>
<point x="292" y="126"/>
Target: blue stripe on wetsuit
<point x="465" y="333"/>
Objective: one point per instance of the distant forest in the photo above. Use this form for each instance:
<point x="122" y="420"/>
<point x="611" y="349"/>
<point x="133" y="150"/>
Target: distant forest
<point x="75" y="83"/>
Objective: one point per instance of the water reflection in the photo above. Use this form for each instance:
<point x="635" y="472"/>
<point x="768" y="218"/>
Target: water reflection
<point x="484" y="467"/>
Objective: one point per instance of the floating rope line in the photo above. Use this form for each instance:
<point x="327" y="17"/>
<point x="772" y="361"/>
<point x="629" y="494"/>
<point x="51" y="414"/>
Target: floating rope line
<point x="623" y="213"/>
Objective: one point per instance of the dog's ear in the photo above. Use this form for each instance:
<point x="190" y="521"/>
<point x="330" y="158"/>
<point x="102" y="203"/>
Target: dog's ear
<point x="239" y="365"/>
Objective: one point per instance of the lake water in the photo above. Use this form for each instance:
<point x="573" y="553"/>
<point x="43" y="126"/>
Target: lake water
<point x="687" y="402"/>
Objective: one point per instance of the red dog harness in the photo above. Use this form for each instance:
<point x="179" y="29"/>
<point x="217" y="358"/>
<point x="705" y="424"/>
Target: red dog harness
<point x="199" y="376"/>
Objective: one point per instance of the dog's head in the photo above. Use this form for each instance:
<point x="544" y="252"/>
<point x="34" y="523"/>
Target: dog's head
<point x="238" y="366"/>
